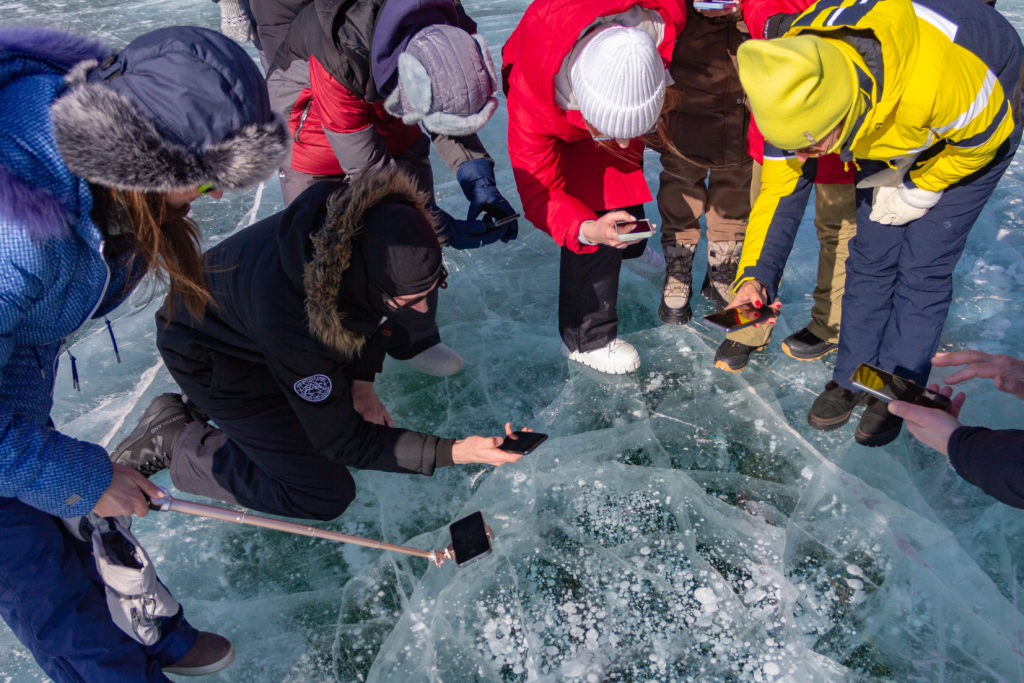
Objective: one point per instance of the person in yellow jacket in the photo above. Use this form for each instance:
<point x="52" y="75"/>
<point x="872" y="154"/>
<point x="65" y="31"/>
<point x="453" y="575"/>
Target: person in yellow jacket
<point x="925" y="99"/>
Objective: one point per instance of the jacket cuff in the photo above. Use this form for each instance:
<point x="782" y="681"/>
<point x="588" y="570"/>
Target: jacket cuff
<point x="918" y="198"/>
<point x="443" y="453"/>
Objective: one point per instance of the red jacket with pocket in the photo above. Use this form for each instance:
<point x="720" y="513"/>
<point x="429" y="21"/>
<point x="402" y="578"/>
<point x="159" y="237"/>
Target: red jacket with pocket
<point x="564" y="178"/>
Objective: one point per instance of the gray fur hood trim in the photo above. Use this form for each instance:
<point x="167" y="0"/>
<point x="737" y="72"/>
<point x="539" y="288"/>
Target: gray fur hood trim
<point x="105" y="139"/>
<point x="332" y="250"/>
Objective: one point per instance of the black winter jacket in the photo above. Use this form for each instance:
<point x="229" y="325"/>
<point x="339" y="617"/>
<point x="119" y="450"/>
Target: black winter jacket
<point x="991" y="459"/>
<point x="274" y="329"/>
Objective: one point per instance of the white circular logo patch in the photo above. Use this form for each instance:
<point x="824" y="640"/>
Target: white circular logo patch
<point x="314" y="388"/>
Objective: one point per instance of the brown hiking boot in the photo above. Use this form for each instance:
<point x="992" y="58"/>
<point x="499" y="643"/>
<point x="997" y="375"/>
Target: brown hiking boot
<point x="210" y="654"/>
<point x="723" y="260"/>
<point x="675" y="296"/>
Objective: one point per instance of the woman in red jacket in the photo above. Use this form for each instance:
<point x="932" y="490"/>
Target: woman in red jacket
<point x="585" y="82"/>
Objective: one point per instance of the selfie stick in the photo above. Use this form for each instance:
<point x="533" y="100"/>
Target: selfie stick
<point x="166" y="503"/>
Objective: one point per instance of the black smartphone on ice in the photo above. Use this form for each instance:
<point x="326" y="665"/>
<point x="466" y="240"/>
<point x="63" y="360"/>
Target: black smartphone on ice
<point x="630" y="231"/>
<point x="523" y="443"/>
<point x="733" y="319"/>
<point x="471" y="539"/>
<point x="886" y="387"/>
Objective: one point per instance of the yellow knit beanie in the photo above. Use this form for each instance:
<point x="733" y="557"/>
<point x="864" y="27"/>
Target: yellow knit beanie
<point x="800" y="88"/>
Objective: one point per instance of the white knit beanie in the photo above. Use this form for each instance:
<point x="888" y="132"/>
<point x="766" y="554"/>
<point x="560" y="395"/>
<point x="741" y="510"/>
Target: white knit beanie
<point x="618" y="80"/>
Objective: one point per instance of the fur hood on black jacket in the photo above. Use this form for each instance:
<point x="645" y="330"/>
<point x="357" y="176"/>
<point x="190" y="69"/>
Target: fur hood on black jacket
<point x="332" y="251"/>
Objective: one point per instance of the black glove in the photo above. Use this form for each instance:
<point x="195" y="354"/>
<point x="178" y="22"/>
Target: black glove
<point x="466" y="234"/>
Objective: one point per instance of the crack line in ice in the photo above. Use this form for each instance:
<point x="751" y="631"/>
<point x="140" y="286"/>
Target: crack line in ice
<point x="133" y="399"/>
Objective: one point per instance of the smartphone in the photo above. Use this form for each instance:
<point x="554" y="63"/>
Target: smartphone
<point x="715" y="4"/>
<point x="523" y="443"/>
<point x="471" y="539"/>
<point x="733" y="319"/>
<point x="502" y="222"/>
<point x="630" y="231"/>
<point x="886" y="386"/>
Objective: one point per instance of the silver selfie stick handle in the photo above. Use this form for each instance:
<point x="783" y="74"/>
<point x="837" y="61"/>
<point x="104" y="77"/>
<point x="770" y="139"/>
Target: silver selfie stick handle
<point x="166" y="503"/>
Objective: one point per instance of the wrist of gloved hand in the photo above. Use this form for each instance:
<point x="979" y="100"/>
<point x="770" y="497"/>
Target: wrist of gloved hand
<point x="918" y="198"/>
<point x="476" y="178"/>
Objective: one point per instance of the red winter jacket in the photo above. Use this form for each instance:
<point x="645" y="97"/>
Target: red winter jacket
<point x="563" y="176"/>
<point x="756" y="13"/>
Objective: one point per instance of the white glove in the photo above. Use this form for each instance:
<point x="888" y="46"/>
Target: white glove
<point x="234" y="22"/>
<point x="900" y="205"/>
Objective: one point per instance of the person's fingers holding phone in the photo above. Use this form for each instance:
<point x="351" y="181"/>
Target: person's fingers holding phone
<point x="754" y="295"/>
<point x="930" y="426"/>
<point x="602" y="230"/>
<point x="483" y="450"/>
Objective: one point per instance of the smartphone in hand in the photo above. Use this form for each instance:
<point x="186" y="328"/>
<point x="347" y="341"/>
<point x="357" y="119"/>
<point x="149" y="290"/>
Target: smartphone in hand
<point x="471" y="539"/>
<point x="523" y="443"/>
<point x="630" y="231"/>
<point x="887" y="387"/>
<point x="732" y="319"/>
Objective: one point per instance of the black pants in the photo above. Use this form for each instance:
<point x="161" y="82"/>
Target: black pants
<point x="588" y="292"/>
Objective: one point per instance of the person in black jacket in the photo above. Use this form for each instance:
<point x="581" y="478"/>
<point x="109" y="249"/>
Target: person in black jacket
<point x="306" y="303"/>
<point x="990" y="459"/>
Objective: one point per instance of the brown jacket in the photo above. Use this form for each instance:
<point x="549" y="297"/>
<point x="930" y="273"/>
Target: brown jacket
<point x="708" y="125"/>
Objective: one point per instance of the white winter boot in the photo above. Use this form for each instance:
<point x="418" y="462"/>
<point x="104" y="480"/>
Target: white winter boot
<point x="648" y="264"/>
<point x="617" y="357"/>
<point x="439" y="360"/>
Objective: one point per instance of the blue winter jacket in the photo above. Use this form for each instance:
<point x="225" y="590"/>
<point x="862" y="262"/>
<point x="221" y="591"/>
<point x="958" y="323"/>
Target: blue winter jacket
<point x="53" y="277"/>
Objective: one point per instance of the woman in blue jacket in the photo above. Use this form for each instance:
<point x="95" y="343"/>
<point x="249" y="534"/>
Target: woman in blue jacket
<point x="100" y="157"/>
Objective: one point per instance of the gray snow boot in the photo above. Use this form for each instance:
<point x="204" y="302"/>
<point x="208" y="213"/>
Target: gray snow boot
<point x="675" y="295"/>
<point x="148" y="448"/>
<point x="723" y="260"/>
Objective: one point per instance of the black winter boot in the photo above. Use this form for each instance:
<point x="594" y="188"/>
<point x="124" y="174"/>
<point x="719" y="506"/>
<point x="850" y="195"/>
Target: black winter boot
<point x="877" y="425"/>
<point x="832" y="408"/>
<point x="148" y="448"/>
<point x="805" y="345"/>
<point x="732" y="356"/>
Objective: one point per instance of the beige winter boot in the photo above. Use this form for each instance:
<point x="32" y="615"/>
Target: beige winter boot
<point x="723" y="259"/>
<point x="675" y="296"/>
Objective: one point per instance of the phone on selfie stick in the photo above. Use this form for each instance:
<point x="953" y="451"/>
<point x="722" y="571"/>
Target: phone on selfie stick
<point x="887" y="387"/>
<point x="630" y="231"/>
<point x="744" y="315"/>
<point x="471" y="539"/>
<point x="522" y="442"/>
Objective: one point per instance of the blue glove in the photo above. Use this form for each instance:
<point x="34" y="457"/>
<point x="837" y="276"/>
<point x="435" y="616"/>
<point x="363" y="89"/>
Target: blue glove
<point x="476" y="178"/>
<point x="465" y="234"/>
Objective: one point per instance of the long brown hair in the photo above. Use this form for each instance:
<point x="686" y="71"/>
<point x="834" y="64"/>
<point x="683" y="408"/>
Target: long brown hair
<point x="169" y="246"/>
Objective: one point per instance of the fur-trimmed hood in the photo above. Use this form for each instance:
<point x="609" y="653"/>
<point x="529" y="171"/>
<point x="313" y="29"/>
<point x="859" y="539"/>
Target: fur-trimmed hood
<point x="332" y="253"/>
<point x="177" y="108"/>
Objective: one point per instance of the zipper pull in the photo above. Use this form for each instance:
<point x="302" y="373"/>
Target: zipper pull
<point x="117" y="354"/>
<point x="74" y="371"/>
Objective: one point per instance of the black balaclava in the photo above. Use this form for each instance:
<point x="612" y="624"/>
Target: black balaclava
<point x="396" y="253"/>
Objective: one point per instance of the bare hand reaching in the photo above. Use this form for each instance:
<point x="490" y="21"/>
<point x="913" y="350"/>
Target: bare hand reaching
<point x="1007" y="372"/>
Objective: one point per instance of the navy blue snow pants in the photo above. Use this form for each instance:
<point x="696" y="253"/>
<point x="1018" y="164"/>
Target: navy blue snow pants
<point x="52" y="598"/>
<point x="899" y="278"/>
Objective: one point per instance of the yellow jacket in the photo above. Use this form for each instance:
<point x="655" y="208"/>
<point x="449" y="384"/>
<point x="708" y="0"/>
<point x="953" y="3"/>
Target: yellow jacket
<point x="930" y="71"/>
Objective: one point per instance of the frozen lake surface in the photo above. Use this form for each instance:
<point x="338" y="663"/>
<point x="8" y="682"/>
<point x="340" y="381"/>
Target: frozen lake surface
<point x="681" y="523"/>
